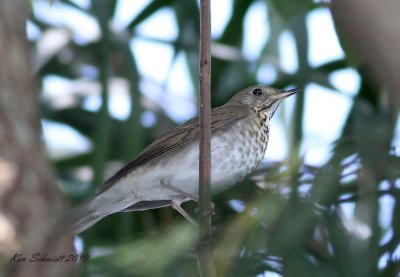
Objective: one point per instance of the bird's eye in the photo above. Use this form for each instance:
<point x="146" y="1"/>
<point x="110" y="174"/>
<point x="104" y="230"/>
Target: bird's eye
<point x="257" y="92"/>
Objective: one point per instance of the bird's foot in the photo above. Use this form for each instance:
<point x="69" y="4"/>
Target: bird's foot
<point x="209" y="211"/>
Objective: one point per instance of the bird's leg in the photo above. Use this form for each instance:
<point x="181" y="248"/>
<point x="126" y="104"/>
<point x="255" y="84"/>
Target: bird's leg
<point x="186" y="196"/>
<point x="166" y="184"/>
<point x="177" y="201"/>
<point x="176" y="204"/>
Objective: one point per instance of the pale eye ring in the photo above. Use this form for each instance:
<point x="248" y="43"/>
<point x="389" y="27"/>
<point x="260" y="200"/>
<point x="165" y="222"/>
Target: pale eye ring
<point x="257" y="92"/>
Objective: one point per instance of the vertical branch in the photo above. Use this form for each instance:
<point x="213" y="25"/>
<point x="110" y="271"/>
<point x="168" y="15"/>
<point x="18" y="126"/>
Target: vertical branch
<point x="204" y="251"/>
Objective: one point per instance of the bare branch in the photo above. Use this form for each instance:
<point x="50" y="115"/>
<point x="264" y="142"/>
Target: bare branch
<point x="204" y="251"/>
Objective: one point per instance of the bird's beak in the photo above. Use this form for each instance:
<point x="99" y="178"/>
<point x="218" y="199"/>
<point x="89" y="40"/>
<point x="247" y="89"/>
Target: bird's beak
<point x="286" y="93"/>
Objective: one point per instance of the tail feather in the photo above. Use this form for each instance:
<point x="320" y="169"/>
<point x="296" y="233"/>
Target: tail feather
<point x="85" y="223"/>
<point x="96" y="208"/>
<point x="85" y="215"/>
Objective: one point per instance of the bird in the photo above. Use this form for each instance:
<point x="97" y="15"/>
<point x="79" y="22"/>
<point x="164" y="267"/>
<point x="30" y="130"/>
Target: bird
<point x="166" y="173"/>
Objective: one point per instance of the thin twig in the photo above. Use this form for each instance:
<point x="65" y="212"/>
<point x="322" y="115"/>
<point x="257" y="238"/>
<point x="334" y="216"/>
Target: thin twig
<point x="204" y="249"/>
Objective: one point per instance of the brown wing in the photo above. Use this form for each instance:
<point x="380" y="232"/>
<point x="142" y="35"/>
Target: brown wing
<point x="177" y="137"/>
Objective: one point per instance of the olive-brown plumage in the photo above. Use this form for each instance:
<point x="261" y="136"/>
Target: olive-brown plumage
<point x="166" y="172"/>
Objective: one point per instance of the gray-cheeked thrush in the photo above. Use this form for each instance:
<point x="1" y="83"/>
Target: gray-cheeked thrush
<point x="166" y="172"/>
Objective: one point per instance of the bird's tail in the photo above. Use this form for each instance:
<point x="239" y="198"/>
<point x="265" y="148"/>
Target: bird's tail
<point x="86" y="214"/>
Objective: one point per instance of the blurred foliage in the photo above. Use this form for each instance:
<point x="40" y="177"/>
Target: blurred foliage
<point x="292" y="223"/>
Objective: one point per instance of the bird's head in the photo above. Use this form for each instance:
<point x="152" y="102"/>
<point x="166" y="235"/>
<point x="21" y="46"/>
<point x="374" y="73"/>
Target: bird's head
<point x="261" y="98"/>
